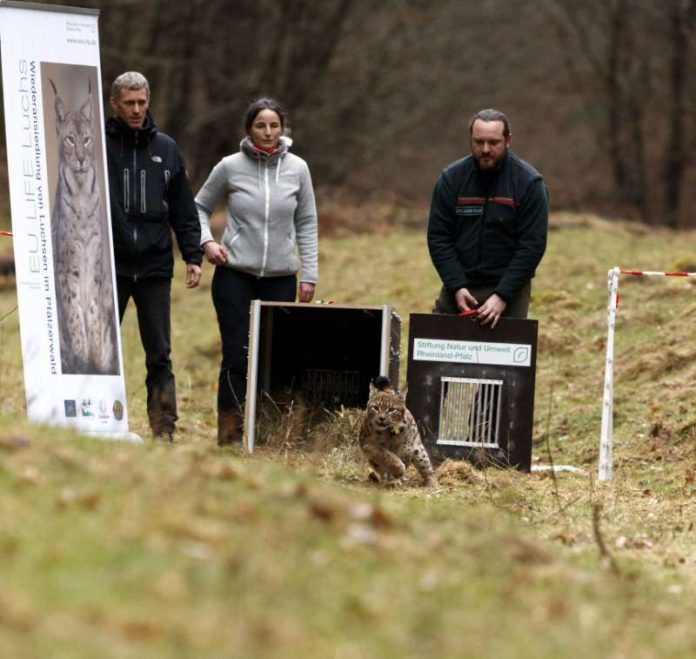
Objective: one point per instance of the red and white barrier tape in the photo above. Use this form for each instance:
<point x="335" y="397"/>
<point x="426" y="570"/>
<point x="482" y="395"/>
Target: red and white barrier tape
<point x="5" y="233"/>
<point x="659" y="274"/>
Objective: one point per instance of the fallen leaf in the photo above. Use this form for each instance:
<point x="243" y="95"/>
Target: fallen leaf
<point x="568" y="539"/>
<point x="14" y="443"/>
<point x="322" y="512"/>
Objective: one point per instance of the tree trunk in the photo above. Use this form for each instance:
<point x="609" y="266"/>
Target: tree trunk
<point x="681" y="23"/>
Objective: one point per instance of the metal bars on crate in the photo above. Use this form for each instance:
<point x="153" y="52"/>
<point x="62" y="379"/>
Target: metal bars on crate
<point x="470" y="412"/>
<point x="329" y="386"/>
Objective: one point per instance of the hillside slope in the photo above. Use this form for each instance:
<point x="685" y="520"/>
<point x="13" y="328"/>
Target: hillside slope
<point x="120" y="550"/>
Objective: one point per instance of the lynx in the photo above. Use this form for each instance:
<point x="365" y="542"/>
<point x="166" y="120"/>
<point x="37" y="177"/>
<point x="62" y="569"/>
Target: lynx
<point x="81" y="256"/>
<point x="389" y="436"/>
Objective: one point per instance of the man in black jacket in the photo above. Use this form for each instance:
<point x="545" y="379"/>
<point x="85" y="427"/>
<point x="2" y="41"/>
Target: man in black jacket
<point x="487" y="226"/>
<point x="150" y="196"/>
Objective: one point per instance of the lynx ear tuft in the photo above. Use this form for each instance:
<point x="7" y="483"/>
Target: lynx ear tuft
<point x="382" y="383"/>
<point x="58" y="103"/>
<point x="87" y="108"/>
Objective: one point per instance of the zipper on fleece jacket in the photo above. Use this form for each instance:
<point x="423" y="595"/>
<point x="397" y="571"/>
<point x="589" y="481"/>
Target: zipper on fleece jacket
<point x="135" y="243"/>
<point x="484" y="221"/>
<point x="265" y="224"/>
<point x="482" y="233"/>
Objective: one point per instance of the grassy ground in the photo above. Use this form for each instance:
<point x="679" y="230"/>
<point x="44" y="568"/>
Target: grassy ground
<point x="120" y="550"/>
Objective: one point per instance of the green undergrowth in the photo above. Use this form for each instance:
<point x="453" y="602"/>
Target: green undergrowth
<point x="111" y="549"/>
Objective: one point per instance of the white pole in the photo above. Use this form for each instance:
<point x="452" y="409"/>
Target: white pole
<point x="606" y="439"/>
<point x="252" y="377"/>
<point x="385" y="345"/>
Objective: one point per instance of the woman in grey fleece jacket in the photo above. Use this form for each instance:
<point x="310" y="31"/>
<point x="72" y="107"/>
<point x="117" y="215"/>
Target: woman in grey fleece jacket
<point x="271" y="235"/>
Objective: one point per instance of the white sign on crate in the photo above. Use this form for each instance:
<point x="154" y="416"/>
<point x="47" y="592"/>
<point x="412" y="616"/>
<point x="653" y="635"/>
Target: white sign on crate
<point x="472" y="352"/>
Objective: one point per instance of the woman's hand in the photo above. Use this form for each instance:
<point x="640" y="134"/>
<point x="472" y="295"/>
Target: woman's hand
<point x="215" y="253"/>
<point x="306" y="291"/>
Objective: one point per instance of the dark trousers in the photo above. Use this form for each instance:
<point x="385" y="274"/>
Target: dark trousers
<point x="152" y="298"/>
<point x="232" y="293"/>
<point x="516" y="308"/>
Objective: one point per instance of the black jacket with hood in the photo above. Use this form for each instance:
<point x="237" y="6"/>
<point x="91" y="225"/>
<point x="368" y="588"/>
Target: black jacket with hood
<point x="488" y="229"/>
<point x="150" y="196"/>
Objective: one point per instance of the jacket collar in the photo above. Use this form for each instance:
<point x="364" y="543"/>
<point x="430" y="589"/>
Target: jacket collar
<point x="248" y="147"/>
<point x="117" y="127"/>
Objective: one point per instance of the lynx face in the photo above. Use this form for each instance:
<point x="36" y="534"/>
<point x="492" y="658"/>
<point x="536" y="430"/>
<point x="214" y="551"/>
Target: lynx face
<point x="386" y="412"/>
<point x="75" y="130"/>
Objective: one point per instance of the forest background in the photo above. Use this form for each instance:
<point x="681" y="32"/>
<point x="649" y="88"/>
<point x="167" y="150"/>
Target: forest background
<point x="601" y="94"/>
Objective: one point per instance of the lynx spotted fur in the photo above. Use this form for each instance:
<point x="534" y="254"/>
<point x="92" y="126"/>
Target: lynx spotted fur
<point x="81" y="255"/>
<point x="389" y="436"/>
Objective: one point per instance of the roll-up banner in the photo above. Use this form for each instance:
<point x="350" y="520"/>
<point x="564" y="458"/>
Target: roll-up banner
<point x="73" y="369"/>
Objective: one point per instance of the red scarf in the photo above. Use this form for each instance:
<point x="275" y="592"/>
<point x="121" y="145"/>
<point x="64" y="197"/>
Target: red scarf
<point x="267" y="149"/>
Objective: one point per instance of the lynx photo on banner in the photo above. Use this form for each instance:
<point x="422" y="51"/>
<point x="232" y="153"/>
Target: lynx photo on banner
<point x="73" y="370"/>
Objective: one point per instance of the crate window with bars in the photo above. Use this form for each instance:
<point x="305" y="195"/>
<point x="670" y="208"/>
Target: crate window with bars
<point x="328" y="387"/>
<point x="470" y="412"/>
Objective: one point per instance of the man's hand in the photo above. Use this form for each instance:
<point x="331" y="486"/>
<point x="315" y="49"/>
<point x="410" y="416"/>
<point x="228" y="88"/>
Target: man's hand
<point x="193" y="275"/>
<point x="491" y="310"/>
<point x="306" y="291"/>
<point x="465" y="300"/>
<point x="215" y="253"/>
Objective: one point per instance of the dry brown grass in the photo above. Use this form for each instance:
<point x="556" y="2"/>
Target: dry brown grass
<point x="121" y="550"/>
